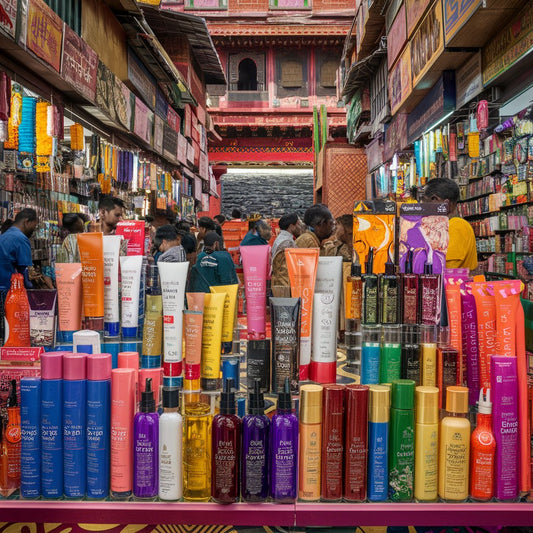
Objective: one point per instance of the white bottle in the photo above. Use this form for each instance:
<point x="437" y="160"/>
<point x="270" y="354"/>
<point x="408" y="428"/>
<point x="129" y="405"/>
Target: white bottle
<point x="170" y="447"/>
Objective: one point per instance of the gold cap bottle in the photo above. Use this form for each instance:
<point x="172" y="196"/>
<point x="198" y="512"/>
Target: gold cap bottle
<point x="427" y="405"/>
<point x="379" y="403"/>
<point x="457" y="399"/>
<point x="311" y="404"/>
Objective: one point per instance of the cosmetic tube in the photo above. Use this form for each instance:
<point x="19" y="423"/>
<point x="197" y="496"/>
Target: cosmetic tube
<point x="130" y="269"/>
<point x="230" y="313"/>
<point x="448" y="362"/>
<point x="123" y="407"/>
<point x="486" y="330"/>
<point x="284" y="450"/>
<point x="12" y="437"/>
<point x="402" y="441"/>
<point x="378" y="443"/>
<point x="354" y="294"/>
<point x="426" y="443"/>
<point x="411" y="368"/>
<point x="470" y="345"/>
<point x="370" y="355"/>
<point x="310" y="442"/>
<point x="52" y="425"/>
<point x="285" y="317"/>
<point x="226" y="443"/>
<point x="428" y="355"/>
<point x="454" y="447"/>
<point x="391" y="354"/>
<point x="91" y="247"/>
<point x="69" y="304"/>
<point x="504" y="392"/>
<point x="302" y="264"/>
<point x="170" y="447"/>
<point x="74" y="425"/>
<point x="173" y="279"/>
<point x="255" y="448"/>
<point x="255" y="268"/>
<point x="86" y="341"/>
<point x="192" y="330"/>
<point x="332" y="443"/>
<point x="258" y="363"/>
<point x="42" y="317"/>
<point x="30" y="433"/>
<point x="152" y="332"/>
<point x="211" y="339"/>
<point x="131" y="360"/>
<point x="111" y="268"/>
<point x="231" y="369"/>
<point x="356" y="443"/>
<point x="98" y="424"/>
<point x="197" y="447"/>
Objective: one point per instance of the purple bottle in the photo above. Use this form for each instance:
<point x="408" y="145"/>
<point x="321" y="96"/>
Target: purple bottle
<point x="255" y="456"/>
<point x="146" y="447"/>
<point x="284" y="449"/>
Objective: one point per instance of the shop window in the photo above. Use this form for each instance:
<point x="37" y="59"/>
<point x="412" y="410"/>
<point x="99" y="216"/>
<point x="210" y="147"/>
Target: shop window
<point x="206" y="4"/>
<point x="247" y="75"/>
<point x="291" y="74"/>
<point x="379" y="99"/>
<point x="246" y="72"/>
<point x="290" y="4"/>
<point x="69" y="11"/>
<point x="328" y="74"/>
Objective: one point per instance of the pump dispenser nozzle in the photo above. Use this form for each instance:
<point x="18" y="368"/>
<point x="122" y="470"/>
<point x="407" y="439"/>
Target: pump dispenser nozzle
<point x="356" y="266"/>
<point x="257" y="400"/>
<point x="369" y="264"/>
<point x="227" y="398"/>
<point x="484" y="405"/>
<point x="147" y="398"/>
<point x="284" y="398"/>
<point x="12" y="401"/>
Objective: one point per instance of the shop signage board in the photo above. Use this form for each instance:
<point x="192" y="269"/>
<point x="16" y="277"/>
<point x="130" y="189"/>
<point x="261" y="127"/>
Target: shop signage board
<point x="400" y="80"/>
<point x="468" y="80"/>
<point x="392" y="10"/>
<point x="143" y="120"/>
<point x="170" y="142"/>
<point x="204" y="166"/>
<point x="397" y="37"/>
<point x="427" y="43"/>
<point x="374" y="154"/>
<point x="161" y="104"/>
<point x="141" y="79"/>
<point x="415" y="9"/>
<point x="182" y="149"/>
<point x="8" y="17"/>
<point x="44" y="33"/>
<point x="173" y="119"/>
<point x="79" y="65"/>
<point x="456" y="13"/>
<point x="508" y="46"/>
<point x="112" y="96"/>
<point x="395" y="136"/>
<point x="437" y="103"/>
<point x="158" y="134"/>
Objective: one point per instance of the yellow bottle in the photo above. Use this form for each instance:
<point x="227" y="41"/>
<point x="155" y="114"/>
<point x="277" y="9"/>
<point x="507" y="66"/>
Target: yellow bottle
<point x="196" y="449"/>
<point x="428" y="355"/>
<point x="454" y="447"/>
<point x="426" y="443"/>
<point x="310" y="442"/>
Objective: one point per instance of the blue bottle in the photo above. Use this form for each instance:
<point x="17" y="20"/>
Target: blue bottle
<point x="370" y="355"/>
<point x="98" y="424"/>
<point x="378" y="443"/>
<point x="52" y="425"/>
<point x="30" y="444"/>
<point x="255" y="448"/>
<point x="74" y="424"/>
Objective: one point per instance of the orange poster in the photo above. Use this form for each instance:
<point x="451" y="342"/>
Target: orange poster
<point x="45" y="32"/>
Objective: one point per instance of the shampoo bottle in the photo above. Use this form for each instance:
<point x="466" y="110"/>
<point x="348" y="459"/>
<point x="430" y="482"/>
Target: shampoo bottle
<point x="146" y="447"/>
<point x="17" y="314"/>
<point x="13" y="437"/>
<point x="454" y="447"/>
<point x="30" y="425"/>
<point x="255" y="448"/>
<point x="378" y="443"/>
<point x="284" y="449"/>
<point x="226" y="443"/>
<point x="170" y="447"/>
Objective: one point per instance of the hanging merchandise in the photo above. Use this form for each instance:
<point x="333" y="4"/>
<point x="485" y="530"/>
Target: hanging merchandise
<point x="15" y="116"/>
<point x="473" y="138"/>
<point x="43" y="140"/>
<point x="483" y="115"/>
<point x="27" y="126"/>
<point x="5" y="96"/>
<point x="76" y="137"/>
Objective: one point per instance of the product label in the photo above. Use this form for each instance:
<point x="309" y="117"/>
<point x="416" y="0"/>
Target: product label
<point x="355" y="468"/>
<point x="401" y="474"/>
<point x="370" y="301"/>
<point x="284" y="467"/>
<point x="225" y="463"/>
<point x="42" y="327"/>
<point x="255" y="464"/>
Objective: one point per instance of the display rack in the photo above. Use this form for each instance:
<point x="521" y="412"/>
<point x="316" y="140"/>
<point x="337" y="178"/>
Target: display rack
<point x="245" y="514"/>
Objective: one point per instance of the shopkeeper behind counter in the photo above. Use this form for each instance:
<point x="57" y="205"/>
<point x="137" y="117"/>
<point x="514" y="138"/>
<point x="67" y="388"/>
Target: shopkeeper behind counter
<point x="462" y="251"/>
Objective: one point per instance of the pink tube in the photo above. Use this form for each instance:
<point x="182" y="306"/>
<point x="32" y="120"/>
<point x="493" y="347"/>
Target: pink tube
<point x="255" y="267"/>
<point x="470" y="346"/>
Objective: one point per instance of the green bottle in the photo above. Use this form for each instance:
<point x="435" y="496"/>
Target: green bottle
<point x="402" y="441"/>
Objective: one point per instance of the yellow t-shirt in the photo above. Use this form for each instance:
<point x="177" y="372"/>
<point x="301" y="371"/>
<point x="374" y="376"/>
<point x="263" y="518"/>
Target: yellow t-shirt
<point x="462" y="252"/>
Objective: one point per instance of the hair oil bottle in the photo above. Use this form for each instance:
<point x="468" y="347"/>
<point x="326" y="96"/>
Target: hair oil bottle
<point x="454" y="446"/>
<point x="378" y="443"/>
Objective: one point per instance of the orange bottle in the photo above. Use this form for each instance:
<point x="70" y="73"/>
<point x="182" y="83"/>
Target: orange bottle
<point x="17" y="314"/>
<point x="482" y="450"/>
<point x="4" y="462"/>
<point x="13" y="438"/>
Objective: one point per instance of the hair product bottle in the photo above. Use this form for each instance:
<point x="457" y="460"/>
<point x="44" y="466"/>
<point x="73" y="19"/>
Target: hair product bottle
<point x="454" y="446"/>
<point x="146" y="446"/>
<point x="30" y="426"/>
<point x="428" y="355"/>
<point x="17" y="314"/>
<point x="332" y="443"/>
<point x="170" y="447"/>
<point x="426" y="443"/>
<point x="402" y="441"/>
<point x="378" y="442"/>
<point x="12" y="437"/>
<point x="310" y="445"/>
<point x="448" y="365"/>
<point x="284" y="449"/>
<point x="226" y="444"/>
<point x="410" y="303"/>
<point x="482" y="452"/>
<point x="355" y="444"/>
<point x="255" y="448"/>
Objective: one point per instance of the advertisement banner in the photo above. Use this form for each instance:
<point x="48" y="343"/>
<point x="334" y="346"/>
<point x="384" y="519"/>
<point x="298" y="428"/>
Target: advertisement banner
<point x="141" y="79"/>
<point x="182" y="149"/>
<point x="468" y="80"/>
<point x="374" y="154"/>
<point x="397" y="37"/>
<point x="158" y="134"/>
<point x="456" y="13"/>
<point x="415" y="9"/>
<point x="427" y="43"/>
<point x="143" y="121"/>
<point x="44" y="33"/>
<point x="8" y="17"/>
<point x="400" y="80"/>
<point x="395" y="136"/>
<point x="170" y="142"/>
<point x="112" y="96"/>
<point x="79" y="65"/>
<point x="173" y="119"/>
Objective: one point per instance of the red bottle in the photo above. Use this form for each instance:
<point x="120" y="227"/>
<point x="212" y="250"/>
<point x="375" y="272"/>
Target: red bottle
<point x="13" y="437"/>
<point x="17" y="314"/>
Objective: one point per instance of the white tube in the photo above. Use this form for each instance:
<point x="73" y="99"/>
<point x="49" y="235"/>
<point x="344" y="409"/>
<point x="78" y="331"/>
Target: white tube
<point x="173" y="280"/>
<point x="130" y="270"/>
<point x="86" y="341"/>
<point x="111" y="305"/>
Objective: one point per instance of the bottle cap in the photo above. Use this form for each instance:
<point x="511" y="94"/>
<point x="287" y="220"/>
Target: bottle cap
<point x="99" y="366"/>
<point x="457" y="399"/>
<point x="123" y="387"/>
<point x="227" y="398"/>
<point x="12" y="400"/>
<point x="321" y="372"/>
<point x="333" y="399"/>
<point x="172" y="369"/>
<point x="379" y="403"/>
<point x="403" y="394"/>
<point x="147" y="398"/>
<point x="256" y="403"/>
<point x="443" y="336"/>
<point x="389" y="269"/>
<point x="52" y="365"/>
<point x="171" y="397"/>
<point x="285" y="398"/>
<point x="128" y="360"/>
<point x="311" y="404"/>
<point x="484" y="405"/>
<point x="427" y="405"/>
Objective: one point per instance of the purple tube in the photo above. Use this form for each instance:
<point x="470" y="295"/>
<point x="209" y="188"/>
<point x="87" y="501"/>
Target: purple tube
<point x="470" y="341"/>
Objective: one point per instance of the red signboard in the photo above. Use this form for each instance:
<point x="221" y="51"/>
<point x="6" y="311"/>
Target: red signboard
<point x="173" y="119"/>
<point x="8" y="16"/>
<point x="395" y="136"/>
<point x="415" y="9"/>
<point x="400" y="81"/>
<point x="80" y="64"/>
<point x="396" y="37"/>
<point x="44" y="33"/>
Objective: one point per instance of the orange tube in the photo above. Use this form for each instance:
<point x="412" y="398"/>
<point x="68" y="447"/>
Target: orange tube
<point x="195" y="301"/>
<point x="507" y="299"/>
<point x="68" y="279"/>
